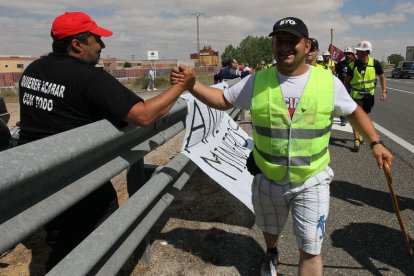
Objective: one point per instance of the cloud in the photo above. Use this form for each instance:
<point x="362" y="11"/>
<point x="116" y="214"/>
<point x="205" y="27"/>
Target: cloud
<point x="405" y="8"/>
<point x="170" y="27"/>
<point x="377" y="20"/>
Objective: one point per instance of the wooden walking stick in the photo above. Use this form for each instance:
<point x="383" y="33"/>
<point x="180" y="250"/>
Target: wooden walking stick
<point x="406" y="237"/>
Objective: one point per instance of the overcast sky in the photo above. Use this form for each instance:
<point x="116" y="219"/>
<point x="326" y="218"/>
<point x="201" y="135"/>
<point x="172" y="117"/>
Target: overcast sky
<point x="168" y="26"/>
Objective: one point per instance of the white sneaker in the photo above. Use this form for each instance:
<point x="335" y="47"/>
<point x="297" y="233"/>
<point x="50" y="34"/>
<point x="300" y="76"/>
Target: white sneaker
<point x="155" y="89"/>
<point x="148" y="89"/>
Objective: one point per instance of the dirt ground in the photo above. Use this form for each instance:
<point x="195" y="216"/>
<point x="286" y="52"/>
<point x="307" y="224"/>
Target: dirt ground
<point x="195" y="236"/>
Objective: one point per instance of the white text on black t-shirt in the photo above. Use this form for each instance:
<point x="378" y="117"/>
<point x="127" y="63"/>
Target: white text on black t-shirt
<point x="54" y="89"/>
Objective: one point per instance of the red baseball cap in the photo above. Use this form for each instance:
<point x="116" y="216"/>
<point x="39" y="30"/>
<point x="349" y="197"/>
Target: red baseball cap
<point x="71" y="23"/>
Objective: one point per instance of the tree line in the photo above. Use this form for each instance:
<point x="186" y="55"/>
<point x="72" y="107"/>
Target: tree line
<point x="253" y="50"/>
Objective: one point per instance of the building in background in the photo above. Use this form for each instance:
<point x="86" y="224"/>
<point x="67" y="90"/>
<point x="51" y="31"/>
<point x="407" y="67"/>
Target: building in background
<point x="112" y="63"/>
<point x="410" y="53"/>
<point x="15" y="64"/>
<point x="206" y="57"/>
<point x="11" y="69"/>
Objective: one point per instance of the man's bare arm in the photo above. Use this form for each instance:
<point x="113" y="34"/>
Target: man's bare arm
<point x="360" y="121"/>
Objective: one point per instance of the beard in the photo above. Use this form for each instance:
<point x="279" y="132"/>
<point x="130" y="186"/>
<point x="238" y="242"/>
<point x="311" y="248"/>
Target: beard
<point x="289" y="60"/>
<point x="94" y="60"/>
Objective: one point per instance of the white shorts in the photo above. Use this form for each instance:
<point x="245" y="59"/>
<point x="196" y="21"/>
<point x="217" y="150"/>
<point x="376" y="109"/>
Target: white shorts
<point x="309" y="203"/>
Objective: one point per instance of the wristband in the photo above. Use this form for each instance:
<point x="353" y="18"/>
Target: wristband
<point x="374" y="143"/>
<point x="384" y="92"/>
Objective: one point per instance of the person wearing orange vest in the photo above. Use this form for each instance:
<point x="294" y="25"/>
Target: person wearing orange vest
<point x="290" y="156"/>
<point x="361" y="80"/>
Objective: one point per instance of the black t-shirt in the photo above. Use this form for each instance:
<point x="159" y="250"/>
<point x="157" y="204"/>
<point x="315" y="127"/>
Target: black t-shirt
<point x="341" y="68"/>
<point x="59" y="92"/>
<point x="361" y="67"/>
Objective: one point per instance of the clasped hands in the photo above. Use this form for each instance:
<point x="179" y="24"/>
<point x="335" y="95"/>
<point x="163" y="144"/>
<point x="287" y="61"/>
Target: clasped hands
<point x="184" y="76"/>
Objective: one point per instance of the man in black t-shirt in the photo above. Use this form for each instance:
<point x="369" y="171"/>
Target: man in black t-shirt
<point x="65" y="90"/>
<point x="341" y="68"/>
<point x="230" y="70"/>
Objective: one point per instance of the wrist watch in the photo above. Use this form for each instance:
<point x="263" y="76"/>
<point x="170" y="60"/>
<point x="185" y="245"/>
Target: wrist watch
<point x="374" y="143"/>
<point x="385" y="91"/>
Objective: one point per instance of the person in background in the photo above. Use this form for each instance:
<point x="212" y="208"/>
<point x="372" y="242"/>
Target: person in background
<point x="291" y="130"/>
<point x="328" y="63"/>
<point x="313" y="53"/>
<point x="247" y="68"/>
<point x="230" y="70"/>
<point x="261" y="65"/>
<point x="319" y="61"/>
<point x="341" y="69"/>
<point x="361" y="78"/>
<point x="151" y="80"/>
<point x="64" y="90"/>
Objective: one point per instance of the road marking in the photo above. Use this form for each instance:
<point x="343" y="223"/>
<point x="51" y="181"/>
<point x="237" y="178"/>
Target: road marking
<point x="336" y="125"/>
<point x="395" y="138"/>
<point x="401" y="90"/>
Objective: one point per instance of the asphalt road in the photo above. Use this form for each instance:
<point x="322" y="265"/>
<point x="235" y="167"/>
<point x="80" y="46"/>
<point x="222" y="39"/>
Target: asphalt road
<point x="397" y="112"/>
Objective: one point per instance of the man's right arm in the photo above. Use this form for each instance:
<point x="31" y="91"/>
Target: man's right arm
<point x="213" y="97"/>
<point x="362" y="123"/>
<point x="145" y="112"/>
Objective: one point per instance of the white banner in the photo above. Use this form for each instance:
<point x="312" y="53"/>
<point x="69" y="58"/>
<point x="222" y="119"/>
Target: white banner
<point x="217" y="144"/>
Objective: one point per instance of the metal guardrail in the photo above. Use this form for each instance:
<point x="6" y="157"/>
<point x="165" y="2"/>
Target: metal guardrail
<point x="42" y="179"/>
<point x="5" y="117"/>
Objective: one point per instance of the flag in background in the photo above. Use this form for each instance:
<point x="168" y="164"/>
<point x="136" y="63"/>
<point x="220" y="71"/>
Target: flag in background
<point x="337" y="54"/>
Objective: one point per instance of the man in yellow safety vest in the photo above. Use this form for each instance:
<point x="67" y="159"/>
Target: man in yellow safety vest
<point x="290" y="156"/>
<point x="361" y="78"/>
<point x="328" y="63"/>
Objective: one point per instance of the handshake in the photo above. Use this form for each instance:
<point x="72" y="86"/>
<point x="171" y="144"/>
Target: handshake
<point x="184" y="76"/>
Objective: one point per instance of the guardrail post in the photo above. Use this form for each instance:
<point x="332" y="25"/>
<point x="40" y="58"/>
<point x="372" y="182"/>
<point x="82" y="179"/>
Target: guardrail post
<point x="136" y="177"/>
<point x="143" y="251"/>
<point x="242" y="117"/>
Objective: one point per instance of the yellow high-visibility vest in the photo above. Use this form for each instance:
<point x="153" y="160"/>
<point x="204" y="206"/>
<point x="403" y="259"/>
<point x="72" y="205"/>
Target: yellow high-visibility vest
<point x="363" y="84"/>
<point x="297" y="147"/>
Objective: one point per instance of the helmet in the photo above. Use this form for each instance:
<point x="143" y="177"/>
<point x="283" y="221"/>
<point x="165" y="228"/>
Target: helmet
<point x="349" y="50"/>
<point x="326" y="53"/>
<point x="319" y="58"/>
<point x="364" y="46"/>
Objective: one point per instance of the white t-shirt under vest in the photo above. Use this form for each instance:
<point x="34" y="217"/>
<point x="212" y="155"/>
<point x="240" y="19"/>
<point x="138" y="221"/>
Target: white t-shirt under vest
<point x="240" y="94"/>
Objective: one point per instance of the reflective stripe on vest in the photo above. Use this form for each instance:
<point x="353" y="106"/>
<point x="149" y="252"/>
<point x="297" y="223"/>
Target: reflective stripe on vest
<point x="363" y="84"/>
<point x="296" y="148"/>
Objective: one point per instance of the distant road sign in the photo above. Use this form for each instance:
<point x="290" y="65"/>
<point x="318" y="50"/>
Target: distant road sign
<point x="152" y="55"/>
